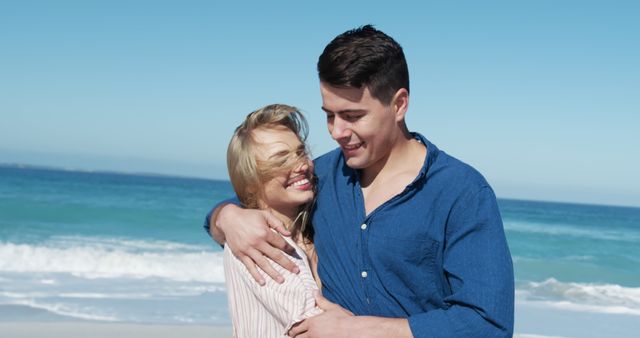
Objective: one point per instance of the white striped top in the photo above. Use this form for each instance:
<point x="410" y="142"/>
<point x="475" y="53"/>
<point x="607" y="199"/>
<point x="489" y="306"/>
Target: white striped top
<point x="271" y="310"/>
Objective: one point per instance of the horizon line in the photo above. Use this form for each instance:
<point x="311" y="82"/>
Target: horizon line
<point x="161" y="175"/>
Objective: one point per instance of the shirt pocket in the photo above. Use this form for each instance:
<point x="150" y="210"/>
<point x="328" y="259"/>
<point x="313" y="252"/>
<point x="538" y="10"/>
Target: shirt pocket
<point x="406" y="266"/>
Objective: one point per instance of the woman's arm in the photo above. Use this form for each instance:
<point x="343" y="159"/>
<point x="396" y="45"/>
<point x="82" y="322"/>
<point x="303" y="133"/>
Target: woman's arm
<point x="246" y="232"/>
<point x="289" y="302"/>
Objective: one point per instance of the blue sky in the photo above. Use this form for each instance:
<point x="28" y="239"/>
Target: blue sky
<point x="543" y="97"/>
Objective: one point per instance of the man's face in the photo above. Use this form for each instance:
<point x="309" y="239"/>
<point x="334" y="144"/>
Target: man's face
<point x="363" y="126"/>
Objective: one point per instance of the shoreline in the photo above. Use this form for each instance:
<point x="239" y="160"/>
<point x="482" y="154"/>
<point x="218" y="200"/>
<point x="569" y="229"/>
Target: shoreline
<point x="79" y="329"/>
<point x="531" y="321"/>
<point x="535" y="319"/>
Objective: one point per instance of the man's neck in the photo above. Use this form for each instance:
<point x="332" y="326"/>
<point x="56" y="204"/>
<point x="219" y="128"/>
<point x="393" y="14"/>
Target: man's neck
<point x="407" y="154"/>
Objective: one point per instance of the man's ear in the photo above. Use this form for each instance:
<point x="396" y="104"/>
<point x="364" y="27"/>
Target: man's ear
<point x="400" y="103"/>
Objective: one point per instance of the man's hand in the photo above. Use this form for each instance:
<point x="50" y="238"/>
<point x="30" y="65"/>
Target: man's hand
<point x="338" y="322"/>
<point x="249" y="236"/>
<point x="330" y="323"/>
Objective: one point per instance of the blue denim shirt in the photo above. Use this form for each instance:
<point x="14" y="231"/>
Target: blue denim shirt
<point x="435" y="254"/>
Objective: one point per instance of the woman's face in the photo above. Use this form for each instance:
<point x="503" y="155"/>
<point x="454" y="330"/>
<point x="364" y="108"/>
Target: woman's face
<point x="291" y="184"/>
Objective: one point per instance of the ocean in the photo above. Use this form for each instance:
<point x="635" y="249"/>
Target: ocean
<point x="115" y="247"/>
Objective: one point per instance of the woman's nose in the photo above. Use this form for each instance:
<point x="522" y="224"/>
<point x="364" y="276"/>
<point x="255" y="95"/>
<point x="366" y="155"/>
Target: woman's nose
<point x="303" y="166"/>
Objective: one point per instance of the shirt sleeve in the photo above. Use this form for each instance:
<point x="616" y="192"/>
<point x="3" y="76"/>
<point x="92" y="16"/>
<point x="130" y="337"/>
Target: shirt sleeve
<point x="289" y="303"/>
<point x="207" y="218"/>
<point x="479" y="273"/>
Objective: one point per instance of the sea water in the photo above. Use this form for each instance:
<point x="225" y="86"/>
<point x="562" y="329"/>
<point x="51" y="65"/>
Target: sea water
<point x="131" y="248"/>
<point x="108" y="247"/>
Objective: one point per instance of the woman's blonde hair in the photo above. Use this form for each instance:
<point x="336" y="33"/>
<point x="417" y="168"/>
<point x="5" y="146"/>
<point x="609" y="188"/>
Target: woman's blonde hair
<point x="249" y="174"/>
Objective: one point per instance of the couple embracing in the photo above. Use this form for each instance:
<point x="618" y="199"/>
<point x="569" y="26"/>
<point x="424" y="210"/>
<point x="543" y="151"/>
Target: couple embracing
<point x="385" y="236"/>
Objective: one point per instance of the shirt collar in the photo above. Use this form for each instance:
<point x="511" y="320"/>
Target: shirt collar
<point x="432" y="153"/>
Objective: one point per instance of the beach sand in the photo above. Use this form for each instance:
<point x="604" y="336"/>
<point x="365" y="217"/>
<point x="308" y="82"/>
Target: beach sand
<point x="117" y="330"/>
<point x="109" y="330"/>
<point x="533" y="320"/>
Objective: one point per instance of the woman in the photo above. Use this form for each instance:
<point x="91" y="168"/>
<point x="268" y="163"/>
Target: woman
<point x="270" y="169"/>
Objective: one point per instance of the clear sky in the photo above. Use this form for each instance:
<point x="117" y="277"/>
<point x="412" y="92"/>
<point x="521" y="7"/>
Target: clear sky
<point x="543" y="97"/>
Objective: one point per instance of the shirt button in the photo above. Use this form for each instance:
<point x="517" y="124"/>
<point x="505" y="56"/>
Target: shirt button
<point x="363" y="227"/>
<point x="364" y="274"/>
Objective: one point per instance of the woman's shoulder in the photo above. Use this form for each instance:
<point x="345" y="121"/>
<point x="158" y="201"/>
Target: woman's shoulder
<point x="301" y="257"/>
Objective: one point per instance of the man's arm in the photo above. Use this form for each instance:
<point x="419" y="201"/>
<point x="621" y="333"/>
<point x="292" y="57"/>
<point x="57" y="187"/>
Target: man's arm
<point x="479" y="273"/>
<point x="209" y="222"/>
<point x="248" y="234"/>
<point x="337" y="322"/>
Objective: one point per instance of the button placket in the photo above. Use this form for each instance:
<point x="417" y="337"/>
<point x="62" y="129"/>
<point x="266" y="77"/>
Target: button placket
<point x="365" y="279"/>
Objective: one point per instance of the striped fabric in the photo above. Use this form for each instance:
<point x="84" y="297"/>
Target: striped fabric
<point x="269" y="311"/>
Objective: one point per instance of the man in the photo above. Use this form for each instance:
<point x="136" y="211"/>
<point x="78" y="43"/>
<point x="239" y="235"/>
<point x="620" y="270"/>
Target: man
<point x="409" y="240"/>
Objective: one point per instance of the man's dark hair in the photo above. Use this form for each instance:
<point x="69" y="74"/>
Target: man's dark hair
<point x="368" y="57"/>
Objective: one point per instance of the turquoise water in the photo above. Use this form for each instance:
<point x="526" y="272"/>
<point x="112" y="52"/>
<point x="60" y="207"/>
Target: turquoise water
<point x="115" y="247"/>
<point x="571" y="242"/>
<point x="108" y="247"/>
<point x="38" y="204"/>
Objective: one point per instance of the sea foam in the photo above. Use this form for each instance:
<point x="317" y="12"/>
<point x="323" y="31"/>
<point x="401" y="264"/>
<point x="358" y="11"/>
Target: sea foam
<point x="585" y="297"/>
<point x="67" y="310"/>
<point x="115" y="261"/>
